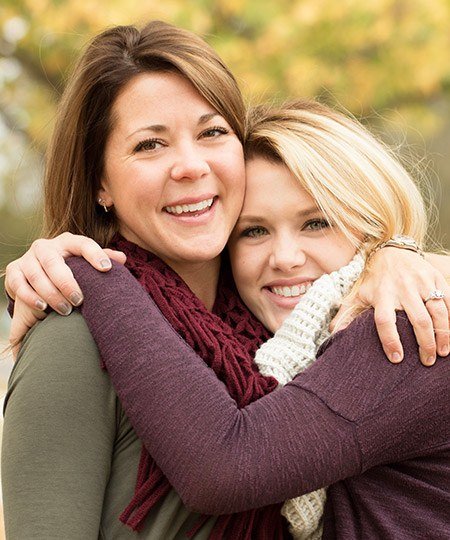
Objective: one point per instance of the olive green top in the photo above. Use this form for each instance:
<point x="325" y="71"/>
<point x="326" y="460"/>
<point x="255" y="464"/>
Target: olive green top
<point x="70" y="455"/>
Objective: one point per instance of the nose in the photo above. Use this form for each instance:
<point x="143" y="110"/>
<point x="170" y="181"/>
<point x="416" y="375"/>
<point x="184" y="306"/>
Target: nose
<point x="286" y="254"/>
<point x="190" y="163"/>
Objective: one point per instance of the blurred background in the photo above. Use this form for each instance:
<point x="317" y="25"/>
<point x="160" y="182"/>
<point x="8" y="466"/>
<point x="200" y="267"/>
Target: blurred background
<point x="385" y="61"/>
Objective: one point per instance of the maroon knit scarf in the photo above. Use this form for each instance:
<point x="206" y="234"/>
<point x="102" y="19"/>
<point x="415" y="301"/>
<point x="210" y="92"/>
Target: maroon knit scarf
<point x="226" y="339"/>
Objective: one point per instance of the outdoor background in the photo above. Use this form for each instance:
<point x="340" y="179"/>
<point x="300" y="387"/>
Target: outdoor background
<point x="385" y="61"/>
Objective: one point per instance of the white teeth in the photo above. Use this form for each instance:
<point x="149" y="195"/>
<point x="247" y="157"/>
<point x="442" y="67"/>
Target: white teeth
<point x="287" y="291"/>
<point x="295" y="290"/>
<point x="189" y="207"/>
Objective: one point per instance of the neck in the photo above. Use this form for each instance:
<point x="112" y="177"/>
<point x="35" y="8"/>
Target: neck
<point x="202" y="278"/>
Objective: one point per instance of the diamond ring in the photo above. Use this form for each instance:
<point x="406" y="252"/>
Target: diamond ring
<point x="435" y="294"/>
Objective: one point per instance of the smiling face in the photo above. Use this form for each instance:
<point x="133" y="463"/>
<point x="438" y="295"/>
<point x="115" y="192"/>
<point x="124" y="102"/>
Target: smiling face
<point x="174" y="170"/>
<point x="282" y="243"/>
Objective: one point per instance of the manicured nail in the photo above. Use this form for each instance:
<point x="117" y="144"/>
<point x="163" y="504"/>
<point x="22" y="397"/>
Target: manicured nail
<point x="64" y="308"/>
<point x="430" y="361"/>
<point x="105" y="263"/>
<point x="40" y="304"/>
<point x="76" y="298"/>
<point x="396" y="357"/>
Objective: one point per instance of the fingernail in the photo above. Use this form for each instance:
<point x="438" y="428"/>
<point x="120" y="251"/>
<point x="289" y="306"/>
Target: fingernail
<point x="445" y="351"/>
<point x="76" y="298"/>
<point x="105" y="263"/>
<point x="40" y="304"/>
<point x="396" y="357"/>
<point x="64" y="308"/>
<point x="430" y="361"/>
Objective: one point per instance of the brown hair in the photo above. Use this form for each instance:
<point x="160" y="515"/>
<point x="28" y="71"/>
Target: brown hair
<point x="75" y="158"/>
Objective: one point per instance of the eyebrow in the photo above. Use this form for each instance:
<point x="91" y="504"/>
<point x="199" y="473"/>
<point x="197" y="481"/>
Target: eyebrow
<point x="259" y="219"/>
<point x="206" y="118"/>
<point x="160" y="128"/>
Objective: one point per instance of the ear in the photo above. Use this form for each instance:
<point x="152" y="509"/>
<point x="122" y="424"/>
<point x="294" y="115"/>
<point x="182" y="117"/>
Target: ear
<point x="103" y="193"/>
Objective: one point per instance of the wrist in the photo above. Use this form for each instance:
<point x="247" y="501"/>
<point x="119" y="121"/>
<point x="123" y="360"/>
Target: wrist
<point x="400" y="241"/>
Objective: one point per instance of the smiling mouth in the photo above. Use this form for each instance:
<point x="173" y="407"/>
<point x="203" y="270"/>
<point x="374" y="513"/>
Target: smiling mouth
<point x="293" y="291"/>
<point x="190" y="209"/>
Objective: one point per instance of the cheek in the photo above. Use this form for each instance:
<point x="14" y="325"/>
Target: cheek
<point x="135" y="204"/>
<point x="337" y="256"/>
<point x="233" y="170"/>
<point x="142" y="187"/>
<point x="238" y="263"/>
<point x="245" y="269"/>
<point x="235" y="191"/>
<point x="136" y="173"/>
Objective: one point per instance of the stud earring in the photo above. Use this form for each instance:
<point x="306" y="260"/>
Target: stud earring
<point x="101" y="202"/>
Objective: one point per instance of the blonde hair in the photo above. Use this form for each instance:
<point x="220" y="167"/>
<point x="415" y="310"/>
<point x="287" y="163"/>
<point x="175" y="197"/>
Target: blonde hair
<point x="75" y="159"/>
<point x="354" y="179"/>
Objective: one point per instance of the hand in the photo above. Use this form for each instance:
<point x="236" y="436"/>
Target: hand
<point x="397" y="279"/>
<point x="440" y="263"/>
<point x="40" y="277"/>
<point x="24" y="319"/>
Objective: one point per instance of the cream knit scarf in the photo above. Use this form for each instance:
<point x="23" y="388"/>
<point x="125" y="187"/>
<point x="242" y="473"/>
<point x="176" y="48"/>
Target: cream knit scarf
<point x="291" y="350"/>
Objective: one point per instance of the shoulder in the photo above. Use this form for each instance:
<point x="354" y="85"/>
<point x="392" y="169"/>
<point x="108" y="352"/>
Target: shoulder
<point x="117" y="281"/>
<point x="113" y="296"/>
<point x="56" y="341"/>
<point x="114" y="303"/>
<point x="60" y="356"/>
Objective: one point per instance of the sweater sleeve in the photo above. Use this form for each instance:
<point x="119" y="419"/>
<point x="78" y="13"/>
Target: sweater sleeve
<point x="222" y="459"/>
<point x="60" y="414"/>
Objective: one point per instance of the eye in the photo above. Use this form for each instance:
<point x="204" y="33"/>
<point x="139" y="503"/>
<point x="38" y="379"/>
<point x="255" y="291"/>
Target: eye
<point x="214" y="132"/>
<point x="254" y="232"/>
<point x="316" y="224"/>
<point x="148" y="145"/>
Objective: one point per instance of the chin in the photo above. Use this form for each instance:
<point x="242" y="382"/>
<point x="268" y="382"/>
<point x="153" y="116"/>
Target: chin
<point x="274" y="323"/>
<point x="204" y="251"/>
<point x="271" y="322"/>
<point x="198" y="253"/>
<point x="203" y="256"/>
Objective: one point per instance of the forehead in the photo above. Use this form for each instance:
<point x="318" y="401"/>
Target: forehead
<point x="273" y="194"/>
<point x="159" y="98"/>
<point x="271" y="185"/>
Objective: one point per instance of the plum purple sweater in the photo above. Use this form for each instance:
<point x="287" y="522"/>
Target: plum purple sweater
<point x="378" y="434"/>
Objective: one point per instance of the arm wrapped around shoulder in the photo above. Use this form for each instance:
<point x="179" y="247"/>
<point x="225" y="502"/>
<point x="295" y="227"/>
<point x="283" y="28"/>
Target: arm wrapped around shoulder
<point x="306" y="435"/>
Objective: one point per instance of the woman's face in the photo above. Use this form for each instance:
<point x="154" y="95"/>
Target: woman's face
<point x="281" y="244"/>
<point x="174" y="170"/>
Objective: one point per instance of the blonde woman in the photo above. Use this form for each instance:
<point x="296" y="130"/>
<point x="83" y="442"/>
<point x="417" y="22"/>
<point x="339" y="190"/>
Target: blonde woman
<point x="321" y="194"/>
